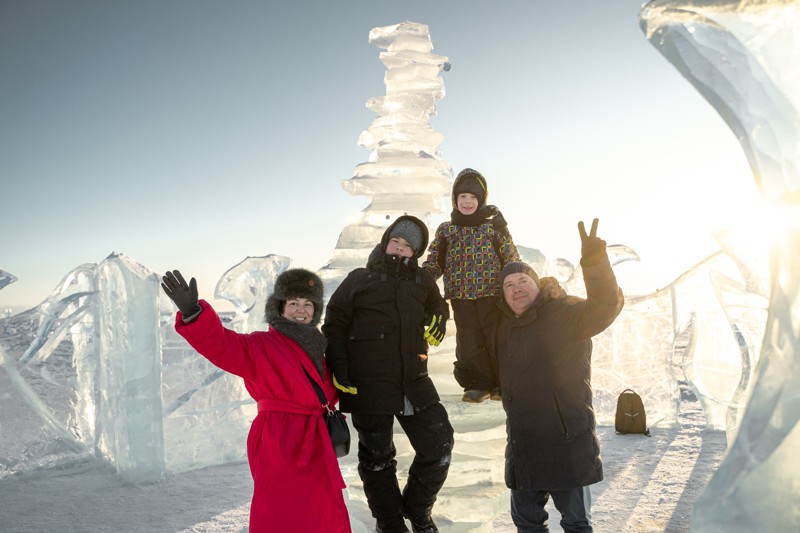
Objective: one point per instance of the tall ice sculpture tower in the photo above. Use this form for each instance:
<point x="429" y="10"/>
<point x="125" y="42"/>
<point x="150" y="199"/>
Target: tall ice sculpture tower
<point x="405" y="173"/>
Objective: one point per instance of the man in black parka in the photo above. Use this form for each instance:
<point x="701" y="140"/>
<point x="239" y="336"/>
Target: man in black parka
<point x="377" y="323"/>
<point x="544" y="350"/>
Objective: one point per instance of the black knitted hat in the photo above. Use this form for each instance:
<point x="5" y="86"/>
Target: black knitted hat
<point x="471" y="181"/>
<point x="409" y="231"/>
<point x="295" y="283"/>
<point x="516" y="267"/>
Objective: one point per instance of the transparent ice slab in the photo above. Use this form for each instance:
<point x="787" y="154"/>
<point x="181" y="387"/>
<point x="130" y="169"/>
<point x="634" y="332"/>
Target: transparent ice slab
<point x="744" y="58"/>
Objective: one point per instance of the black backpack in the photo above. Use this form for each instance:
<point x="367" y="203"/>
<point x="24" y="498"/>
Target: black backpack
<point x="630" y="417"/>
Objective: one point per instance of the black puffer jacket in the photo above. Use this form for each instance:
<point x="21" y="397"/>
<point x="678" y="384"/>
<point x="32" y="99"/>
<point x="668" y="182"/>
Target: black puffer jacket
<point x="544" y="359"/>
<point x="374" y="323"/>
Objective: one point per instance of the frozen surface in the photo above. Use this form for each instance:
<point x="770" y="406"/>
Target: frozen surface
<point x="744" y="58"/>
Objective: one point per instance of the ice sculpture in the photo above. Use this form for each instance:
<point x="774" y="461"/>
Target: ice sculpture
<point x="743" y="58"/>
<point x="91" y="373"/>
<point x="405" y="172"/>
<point x="6" y="278"/>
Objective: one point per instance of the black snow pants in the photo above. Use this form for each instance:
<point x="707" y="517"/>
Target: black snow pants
<point x="431" y="436"/>
<point x="475" y="366"/>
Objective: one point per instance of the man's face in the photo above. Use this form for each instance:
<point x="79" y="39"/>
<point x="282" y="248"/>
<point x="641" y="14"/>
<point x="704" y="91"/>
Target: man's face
<point x="519" y="292"/>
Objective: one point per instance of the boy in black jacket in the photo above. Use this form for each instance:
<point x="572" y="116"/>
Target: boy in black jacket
<point x="377" y="323"/>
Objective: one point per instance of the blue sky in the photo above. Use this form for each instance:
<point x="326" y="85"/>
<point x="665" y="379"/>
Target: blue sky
<point x="192" y="134"/>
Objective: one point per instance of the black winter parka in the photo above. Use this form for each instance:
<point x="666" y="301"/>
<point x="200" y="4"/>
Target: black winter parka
<point x="374" y="322"/>
<point x="544" y="359"/>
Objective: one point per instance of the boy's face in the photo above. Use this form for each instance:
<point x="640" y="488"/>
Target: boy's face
<point x="399" y="246"/>
<point x="467" y="203"/>
<point x="519" y="291"/>
<point x="299" y="310"/>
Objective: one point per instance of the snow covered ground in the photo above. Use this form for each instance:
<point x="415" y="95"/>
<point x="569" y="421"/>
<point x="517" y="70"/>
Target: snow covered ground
<point x="650" y="485"/>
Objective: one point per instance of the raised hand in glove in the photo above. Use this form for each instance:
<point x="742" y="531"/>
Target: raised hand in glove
<point x="344" y="385"/>
<point x="434" y="333"/>
<point x="498" y="220"/>
<point x="592" y="246"/>
<point x="183" y="294"/>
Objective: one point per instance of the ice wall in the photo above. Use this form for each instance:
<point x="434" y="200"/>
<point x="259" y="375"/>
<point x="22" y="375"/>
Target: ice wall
<point x="744" y="58"/>
<point x="405" y="172"/>
<point x="128" y="378"/>
<point x="86" y="373"/>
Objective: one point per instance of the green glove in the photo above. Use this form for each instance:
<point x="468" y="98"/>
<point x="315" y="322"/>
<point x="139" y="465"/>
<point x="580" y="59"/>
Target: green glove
<point x="435" y="331"/>
<point x="345" y="386"/>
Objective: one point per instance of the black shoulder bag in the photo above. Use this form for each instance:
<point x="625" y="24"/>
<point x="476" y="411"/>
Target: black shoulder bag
<point x="334" y="419"/>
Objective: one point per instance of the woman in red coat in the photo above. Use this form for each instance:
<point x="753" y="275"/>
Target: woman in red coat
<point x="296" y="477"/>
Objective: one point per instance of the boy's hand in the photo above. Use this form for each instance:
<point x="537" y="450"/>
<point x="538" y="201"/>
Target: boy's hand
<point x="183" y="294"/>
<point x="435" y="331"/>
<point x="344" y="386"/>
<point x="498" y="220"/>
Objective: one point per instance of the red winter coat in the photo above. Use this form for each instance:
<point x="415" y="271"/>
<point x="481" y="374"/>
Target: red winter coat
<point x="297" y="481"/>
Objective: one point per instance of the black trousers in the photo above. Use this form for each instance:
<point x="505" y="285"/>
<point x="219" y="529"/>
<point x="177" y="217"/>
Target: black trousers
<point x="527" y="510"/>
<point x="475" y="366"/>
<point x="431" y="437"/>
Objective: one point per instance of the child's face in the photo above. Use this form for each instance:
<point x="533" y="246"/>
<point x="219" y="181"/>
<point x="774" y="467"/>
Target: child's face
<point x="467" y="203"/>
<point x="299" y="310"/>
<point x="399" y="246"/>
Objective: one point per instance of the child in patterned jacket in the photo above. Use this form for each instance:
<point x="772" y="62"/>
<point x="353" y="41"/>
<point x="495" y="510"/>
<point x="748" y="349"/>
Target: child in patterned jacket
<point x="470" y="251"/>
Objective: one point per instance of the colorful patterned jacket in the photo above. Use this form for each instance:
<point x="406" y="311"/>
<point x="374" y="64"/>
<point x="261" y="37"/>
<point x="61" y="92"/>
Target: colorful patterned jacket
<point x="469" y="258"/>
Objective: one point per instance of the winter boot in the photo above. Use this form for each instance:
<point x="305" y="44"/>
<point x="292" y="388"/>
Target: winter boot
<point x="423" y="524"/>
<point x="395" y="524"/>
<point x="475" y="395"/>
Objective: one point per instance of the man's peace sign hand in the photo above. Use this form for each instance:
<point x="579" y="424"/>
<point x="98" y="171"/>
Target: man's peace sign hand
<point x="591" y="244"/>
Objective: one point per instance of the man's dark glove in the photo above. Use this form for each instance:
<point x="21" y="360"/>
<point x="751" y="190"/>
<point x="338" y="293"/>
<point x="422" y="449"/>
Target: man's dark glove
<point x="434" y="333"/>
<point x="592" y="246"/>
<point x="498" y="220"/>
<point x="183" y="294"/>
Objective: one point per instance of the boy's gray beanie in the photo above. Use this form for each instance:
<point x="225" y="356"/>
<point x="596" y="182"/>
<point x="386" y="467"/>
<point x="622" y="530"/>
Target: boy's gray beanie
<point x="409" y="231"/>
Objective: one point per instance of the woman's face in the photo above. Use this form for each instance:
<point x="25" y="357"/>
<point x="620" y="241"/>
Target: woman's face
<point x="299" y="310"/>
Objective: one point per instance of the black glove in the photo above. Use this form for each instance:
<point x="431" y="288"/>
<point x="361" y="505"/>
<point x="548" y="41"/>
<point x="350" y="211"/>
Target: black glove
<point x="498" y="220"/>
<point x="183" y="294"/>
<point x="592" y="246"/>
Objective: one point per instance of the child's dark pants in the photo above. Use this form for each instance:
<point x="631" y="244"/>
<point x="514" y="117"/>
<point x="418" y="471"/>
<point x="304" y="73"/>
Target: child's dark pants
<point x="474" y="366"/>
<point x="431" y="436"/>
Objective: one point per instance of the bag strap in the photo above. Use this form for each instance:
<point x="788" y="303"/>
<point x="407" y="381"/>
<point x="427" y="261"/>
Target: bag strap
<point x="321" y="395"/>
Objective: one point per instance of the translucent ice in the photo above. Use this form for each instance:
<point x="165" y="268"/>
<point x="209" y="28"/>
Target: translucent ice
<point x="90" y="373"/>
<point x="744" y="58"/>
<point x="6" y="278"/>
<point x="128" y="381"/>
